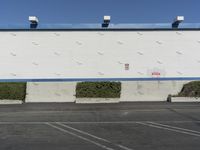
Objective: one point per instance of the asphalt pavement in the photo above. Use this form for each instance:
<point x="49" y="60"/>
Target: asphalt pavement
<point x="122" y="126"/>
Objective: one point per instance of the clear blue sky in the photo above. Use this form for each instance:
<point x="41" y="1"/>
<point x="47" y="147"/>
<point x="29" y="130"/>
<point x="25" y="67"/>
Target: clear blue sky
<point x="91" y="11"/>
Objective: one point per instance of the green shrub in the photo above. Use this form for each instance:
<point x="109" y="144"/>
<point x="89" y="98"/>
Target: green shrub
<point x="14" y="91"/>
<point x="98" y="90"/>
<point x="191" y="89"/>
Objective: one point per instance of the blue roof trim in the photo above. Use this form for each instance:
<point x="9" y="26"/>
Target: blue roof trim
<point x="100" y="79"/>
<point x="98" y="26"/>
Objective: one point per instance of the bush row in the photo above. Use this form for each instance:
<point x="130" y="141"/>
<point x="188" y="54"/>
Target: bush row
<point x="191" y="89"/>
<point x="12" y="91"/>
<point x="98" y="90"/>
<point x="17" y="91"/>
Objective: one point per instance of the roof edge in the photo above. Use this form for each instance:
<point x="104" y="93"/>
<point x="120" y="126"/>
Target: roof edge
<point x="156" y="26"/>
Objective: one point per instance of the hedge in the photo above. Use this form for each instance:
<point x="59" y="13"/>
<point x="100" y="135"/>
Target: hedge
<point x="98" y="90"/>
<point x="191" y="89"/>
<point x="13" y="91"/>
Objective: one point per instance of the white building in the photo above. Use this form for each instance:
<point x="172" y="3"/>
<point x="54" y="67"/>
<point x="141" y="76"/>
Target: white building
<point x="151" y="60"/>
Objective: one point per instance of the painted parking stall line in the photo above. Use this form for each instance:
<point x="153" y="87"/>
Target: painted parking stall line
<point x="103" y="143"/>
<point x="174" y="127"/>
<point x="82" y="132"/>
<point x="94" y="136"/>
<point x="78" y="136"/>
<point x="151" y="124"/>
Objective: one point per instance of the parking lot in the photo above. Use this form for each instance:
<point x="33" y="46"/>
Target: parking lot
<point x="123" y="126"/>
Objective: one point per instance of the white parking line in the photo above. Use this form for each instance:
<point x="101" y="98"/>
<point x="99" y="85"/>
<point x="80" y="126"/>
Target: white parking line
<point x="93" y="136"/>
<point x="169" y="129"/>
<point x="80" y="137"/>
<point x="86" y="133"/>
<point x="174" y="127"/>
<point x="123" y="147"/>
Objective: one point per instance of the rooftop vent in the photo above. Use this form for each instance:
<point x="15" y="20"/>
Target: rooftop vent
<point x="106" y="21"/>
<point x="177" y="21"/>
<point x="33" y="21"/>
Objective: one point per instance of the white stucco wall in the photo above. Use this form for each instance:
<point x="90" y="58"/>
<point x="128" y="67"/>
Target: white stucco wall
<point x="99" y="54"/>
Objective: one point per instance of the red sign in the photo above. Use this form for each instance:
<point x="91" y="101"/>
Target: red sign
<point x="155" y="73"/>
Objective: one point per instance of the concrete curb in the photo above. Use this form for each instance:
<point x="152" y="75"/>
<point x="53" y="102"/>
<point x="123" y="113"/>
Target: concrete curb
<point x="96" y="100"/>
<point x="5" y="102"/>
<point x="185" y="99"/>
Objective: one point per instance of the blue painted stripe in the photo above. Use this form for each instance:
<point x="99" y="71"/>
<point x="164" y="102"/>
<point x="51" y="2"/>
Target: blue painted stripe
<point x="99" y="79"/>
<point x="153" y="26"/>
